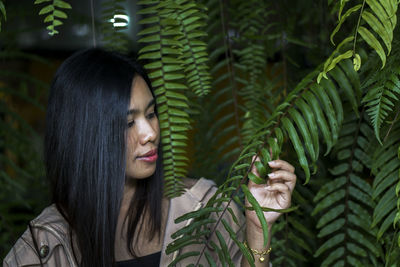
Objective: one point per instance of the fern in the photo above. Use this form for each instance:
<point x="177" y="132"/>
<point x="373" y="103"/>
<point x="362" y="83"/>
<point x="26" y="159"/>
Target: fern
<point x="347" y="199"/>
<point x="308" y="105"/>
<point x="54" y="13"/>
<point x="385" y="168"/>
<point x="173" y="47"/>
<point x="113" y="36"/>
<point x="383" y="94"/>
<point x="220" y="115"/>
<point x="376" y="17"/>
<point x="293" y="240"/>
<point x="252" y="63"/>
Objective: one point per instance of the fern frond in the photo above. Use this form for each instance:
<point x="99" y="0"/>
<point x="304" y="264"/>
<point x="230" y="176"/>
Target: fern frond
<point x="383" y="93"/>
<point x="54" y="13"/>
<point x="220" y="115"/>
<point x="172" y="45"/>
<point x="194" y="53"/>
<point x="252" y="54"/>
<point x="346" y="235"/>
<point x="384" y="185"/>
<point x="375" y="25"/>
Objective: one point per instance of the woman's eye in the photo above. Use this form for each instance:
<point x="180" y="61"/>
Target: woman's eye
<point x="151" y="115"/>
<point x="131" y="123"/>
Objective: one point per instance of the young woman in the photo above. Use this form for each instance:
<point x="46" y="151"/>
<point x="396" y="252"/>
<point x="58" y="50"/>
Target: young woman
<point x="104" y="161"/>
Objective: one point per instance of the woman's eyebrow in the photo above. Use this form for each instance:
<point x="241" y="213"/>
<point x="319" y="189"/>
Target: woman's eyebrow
<point x="135" y="111"/>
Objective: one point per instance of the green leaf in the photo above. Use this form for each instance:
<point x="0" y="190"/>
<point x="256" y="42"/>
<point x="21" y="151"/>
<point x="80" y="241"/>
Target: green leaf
<point x="331" y="228"/>
<point x="224" y="248"/>
<point x="255" y="179"/>
<point x="309" y="117"/>
<point x="184" y="256"/>
<point x="210" y="260"/>
<point x="329" y="201"/>
<point x="329" y="188"/>
<point x="333" y="256"/>
<point x="3" y="11"/>
<point x="62" y="4"/>
<point x="330" y="215"/>
<point x="294" y="138"/>
<point x="373" y="42"/>
<point x="336" y="60"/>
<point x="49" y="18"/>
<point x="342" y="19"/>
<point x="46" y="9"/>
<point x="377" y="26"/>
<point x="260" y="168"/>
<point x="242" y="248"/>
<point x="302" y="126"/>
<point x="41" y="1"/>
<point x="266" y="157"/>
<point x="258" y="211"/>
<point x="330" y="243"/>
<point x="339" y="76"/>
<point x="60" y="14"/>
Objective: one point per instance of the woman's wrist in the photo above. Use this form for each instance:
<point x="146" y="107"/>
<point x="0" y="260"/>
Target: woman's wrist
<point x="255" y="236"/>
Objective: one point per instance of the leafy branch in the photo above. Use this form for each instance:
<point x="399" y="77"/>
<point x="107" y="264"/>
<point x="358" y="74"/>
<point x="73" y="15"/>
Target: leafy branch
<point x="55" y="14"/>
<point x="380" y="16"/>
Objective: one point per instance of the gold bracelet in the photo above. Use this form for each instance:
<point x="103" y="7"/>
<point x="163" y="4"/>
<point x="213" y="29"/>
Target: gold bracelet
<point x="256" y="252"/>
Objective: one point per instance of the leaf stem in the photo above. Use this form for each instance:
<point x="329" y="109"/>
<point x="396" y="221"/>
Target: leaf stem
<point x="391" y="125"/>
<point x="358" y="25"/>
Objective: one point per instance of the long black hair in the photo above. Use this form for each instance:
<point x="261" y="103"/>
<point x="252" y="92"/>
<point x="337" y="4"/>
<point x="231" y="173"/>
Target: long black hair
<point x="85" y="147"/>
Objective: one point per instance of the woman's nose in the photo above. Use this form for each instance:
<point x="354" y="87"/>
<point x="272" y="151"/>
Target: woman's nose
<point x="147" y="133"/>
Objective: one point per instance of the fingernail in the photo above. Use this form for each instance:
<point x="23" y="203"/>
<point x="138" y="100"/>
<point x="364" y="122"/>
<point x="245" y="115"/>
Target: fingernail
<point x="271" y="175"/>
<point x="273" y="163"/>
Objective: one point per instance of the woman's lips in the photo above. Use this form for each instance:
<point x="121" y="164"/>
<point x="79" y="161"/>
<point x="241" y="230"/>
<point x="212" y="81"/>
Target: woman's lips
<point x="150" y="156"/>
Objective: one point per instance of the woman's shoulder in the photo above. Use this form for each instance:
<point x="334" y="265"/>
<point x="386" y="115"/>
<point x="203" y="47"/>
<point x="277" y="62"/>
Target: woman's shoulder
<point x="201" y="189"/>
<point x="44" y="241"/>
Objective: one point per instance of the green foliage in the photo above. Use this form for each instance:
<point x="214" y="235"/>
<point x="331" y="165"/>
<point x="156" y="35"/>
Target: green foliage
<point x="346" y="235"/>
<point x="177" y="62"/>
<point x="263" y="104"/>
<point x="375" y="18"/>
<point x="252" y="55"/>
<point x="24" y="192"/>
<point x="385" y="167"/>
<point x="54" y="13"/>
<point x="383" y="92"/>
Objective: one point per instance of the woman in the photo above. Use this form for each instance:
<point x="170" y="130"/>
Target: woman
<point x="104" y="162"/>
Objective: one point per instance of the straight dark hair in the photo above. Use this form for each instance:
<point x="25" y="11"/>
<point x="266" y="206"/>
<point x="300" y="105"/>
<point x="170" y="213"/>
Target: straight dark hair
<point x="85" y="147"/>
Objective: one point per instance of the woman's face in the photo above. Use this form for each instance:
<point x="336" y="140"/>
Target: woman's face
<point x="143" y="133"/>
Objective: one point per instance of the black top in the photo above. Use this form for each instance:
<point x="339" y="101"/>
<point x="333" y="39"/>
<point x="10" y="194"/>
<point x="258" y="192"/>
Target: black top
<point x="152" y="260"/>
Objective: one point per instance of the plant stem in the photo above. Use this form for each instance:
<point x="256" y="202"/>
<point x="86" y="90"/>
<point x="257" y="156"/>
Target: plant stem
<point x="391" y="125"/>
<point x="358" y="25"/>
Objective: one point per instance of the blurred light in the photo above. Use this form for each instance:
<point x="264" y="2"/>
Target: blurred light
<point x="120" y="23"/>
<point x="81" y="29"/>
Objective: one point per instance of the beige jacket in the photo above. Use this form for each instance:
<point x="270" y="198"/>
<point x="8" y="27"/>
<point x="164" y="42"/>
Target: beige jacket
<point x="53" y="241"/>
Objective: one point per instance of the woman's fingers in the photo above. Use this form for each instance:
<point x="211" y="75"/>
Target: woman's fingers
<point x="281" y="164"/>
<point x="288" y="178"/>
<point x="284" y="193"/>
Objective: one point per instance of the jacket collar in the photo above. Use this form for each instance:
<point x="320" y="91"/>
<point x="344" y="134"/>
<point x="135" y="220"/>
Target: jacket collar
<point x="193" y="199"/>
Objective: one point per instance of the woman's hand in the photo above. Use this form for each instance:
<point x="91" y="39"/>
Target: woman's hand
<point x="275" y="194"/>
